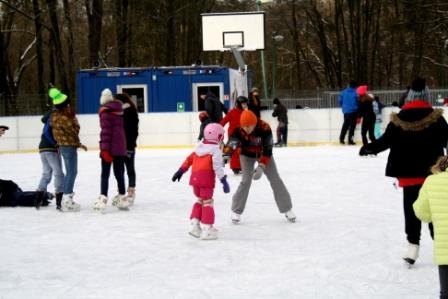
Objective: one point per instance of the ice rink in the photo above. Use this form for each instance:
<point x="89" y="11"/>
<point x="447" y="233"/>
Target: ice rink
<point x="347" y="243"/>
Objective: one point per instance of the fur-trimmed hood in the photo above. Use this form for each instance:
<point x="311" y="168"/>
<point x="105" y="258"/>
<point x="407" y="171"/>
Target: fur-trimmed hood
<point x="416" y="119"/>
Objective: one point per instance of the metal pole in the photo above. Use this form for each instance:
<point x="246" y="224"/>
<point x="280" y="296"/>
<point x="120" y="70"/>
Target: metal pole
<point x="274" y="68"/>
<point x="263" y="68"/>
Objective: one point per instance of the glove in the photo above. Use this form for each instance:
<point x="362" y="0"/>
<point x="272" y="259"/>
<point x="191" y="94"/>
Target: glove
<point x="106" y="156"/>
<point x="177" y="175"/>
<point x="225" y="185"/>
<point x="258" y="172"/>
<point x="364" y="151"/>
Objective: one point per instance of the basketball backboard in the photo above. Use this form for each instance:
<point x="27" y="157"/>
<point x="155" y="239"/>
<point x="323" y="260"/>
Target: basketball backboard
<point x="242" y="30"/>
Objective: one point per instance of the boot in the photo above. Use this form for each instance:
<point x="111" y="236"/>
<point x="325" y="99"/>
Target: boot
<point x="195" y="228"/>
<point x="100" y="204"/>
<point x="69" y="205"/>
<point x="38" y="199"/>
<point x="290" y="216"/>
<point x="236" y="218"/>
<point x="58" y="200"/>
<point x="131" y="195"/>
<point x="208" y="232"/>
<point x="412" y="253"/>
<point x="122" y="202"/>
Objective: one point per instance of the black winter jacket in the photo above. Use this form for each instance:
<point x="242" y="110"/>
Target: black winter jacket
<point x="416" y="137"/>
<point x="130" y="117"/>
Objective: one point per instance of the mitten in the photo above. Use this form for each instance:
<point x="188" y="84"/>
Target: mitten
<point x="177" y="175"/>
<point x="225" y="185"/>
<point x="258" y="172"/>
<point x="106" y="156"/>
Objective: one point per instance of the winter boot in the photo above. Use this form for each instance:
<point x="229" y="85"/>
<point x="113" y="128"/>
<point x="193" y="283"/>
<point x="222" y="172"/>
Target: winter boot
<point x="412" y="253"/>
<point x="290" y="216"/>
<point x="58" y="200"/>
<point x="100" y="204"/>
<point x="208" y="232"/>
<point x="122" y="202"/>
<point x="195" y="228"/>
<point x="68" y="204"/>
<point x="236" y="218"/>
<point x="38" y="199"/>
<point x="131" y="195"/>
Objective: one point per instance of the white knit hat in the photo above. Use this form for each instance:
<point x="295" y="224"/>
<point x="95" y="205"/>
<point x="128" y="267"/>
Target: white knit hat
<point x="106" y="96"/>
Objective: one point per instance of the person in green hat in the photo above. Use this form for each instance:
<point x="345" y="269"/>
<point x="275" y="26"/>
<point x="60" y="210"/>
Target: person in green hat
<point x="65" y="128"/>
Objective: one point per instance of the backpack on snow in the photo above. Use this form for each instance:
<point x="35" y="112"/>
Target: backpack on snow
<point x="48" y="132"/>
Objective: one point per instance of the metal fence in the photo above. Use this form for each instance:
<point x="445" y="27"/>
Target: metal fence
<point x="35" y="104"/>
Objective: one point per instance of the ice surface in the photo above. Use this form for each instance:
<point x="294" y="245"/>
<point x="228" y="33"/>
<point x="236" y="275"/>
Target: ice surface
<point x="347" y="243"/>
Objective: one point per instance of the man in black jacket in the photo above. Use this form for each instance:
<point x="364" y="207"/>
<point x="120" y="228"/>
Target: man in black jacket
<point x="213" y="106"/>
<point x="281" y="113"/>
<point x="416" y="137"/>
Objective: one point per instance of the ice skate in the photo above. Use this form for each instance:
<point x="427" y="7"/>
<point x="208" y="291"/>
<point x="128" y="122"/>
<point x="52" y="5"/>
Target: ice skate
<point x="209" y="232"/>
<point x="122" y="202"/>
<point x="195" y="228"/>
<point x="290" y="216"/>
<point x="59" y="201"/>
<point x="68" y="204"/>
<point x="38" y="199"/>
<point x="100" y="204"/>
<point x="131" y="195"/>
<point x="236" y="218"/>
<point x="411" y="255"/>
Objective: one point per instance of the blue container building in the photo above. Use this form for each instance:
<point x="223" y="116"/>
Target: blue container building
<point x="161" y="89"/>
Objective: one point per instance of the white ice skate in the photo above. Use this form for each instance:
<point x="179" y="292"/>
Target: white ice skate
<point x="195" y="228"/>
<point x="208" y="232"/>
<point x="131" y="195"/>
<point x="411" y="255"/>
<point x="290" y="216"/>
<point x="122" y="202"/>
<point x="236" y="218"/>
<point x="100" y="204"/>
<point x="68" y="204"/>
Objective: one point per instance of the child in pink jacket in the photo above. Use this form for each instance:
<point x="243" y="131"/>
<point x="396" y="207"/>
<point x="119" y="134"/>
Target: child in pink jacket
<point x="206" y="162"/>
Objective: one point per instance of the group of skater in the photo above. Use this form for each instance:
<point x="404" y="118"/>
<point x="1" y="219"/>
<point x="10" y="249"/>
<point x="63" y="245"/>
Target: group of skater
<point x="416" y="138"/>
<point x="60" y="141"/>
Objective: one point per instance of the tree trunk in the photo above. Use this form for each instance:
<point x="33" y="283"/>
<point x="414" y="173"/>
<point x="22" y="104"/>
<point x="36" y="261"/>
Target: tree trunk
<point x="70" y="47"/>
<point x="122" y="32"/>
<point x="94" y="10"/>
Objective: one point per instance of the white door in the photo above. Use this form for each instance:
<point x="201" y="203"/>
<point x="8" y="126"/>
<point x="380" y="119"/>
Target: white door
<point x="138" y="93"/>
<point x="217" y="88"/>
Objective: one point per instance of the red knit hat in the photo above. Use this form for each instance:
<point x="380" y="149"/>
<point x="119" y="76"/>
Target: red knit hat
<point x="248" y="118"/>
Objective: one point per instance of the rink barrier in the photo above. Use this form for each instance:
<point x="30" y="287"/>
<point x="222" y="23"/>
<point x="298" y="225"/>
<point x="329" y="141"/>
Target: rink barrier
<point x="307" y="127"/>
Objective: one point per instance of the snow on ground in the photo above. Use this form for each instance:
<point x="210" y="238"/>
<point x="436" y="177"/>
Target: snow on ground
<point x="347" y="243"/>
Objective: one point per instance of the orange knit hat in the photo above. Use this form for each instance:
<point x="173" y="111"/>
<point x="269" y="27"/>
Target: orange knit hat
<point x="248" y="118"/>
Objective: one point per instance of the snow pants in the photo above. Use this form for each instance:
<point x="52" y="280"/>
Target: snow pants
<point x="281" y="194"/>
<point x="443" y="277"/>
<point x="203" y="208"/>
<point x="412" y="225"/>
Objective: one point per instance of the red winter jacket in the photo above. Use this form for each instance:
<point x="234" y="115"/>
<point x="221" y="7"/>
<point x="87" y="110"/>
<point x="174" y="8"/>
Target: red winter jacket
<point x="233" y="118"/>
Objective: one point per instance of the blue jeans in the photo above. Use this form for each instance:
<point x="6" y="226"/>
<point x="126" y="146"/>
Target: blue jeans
<point x="51" y="164"/>
<point x="70" y="156"/>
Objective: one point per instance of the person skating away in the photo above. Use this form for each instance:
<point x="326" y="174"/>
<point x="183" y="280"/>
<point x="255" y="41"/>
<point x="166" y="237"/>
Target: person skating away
<point x="213" y="106"/>
<point x="112" y="151"/>
<point x="416" y="137"/>
<point x="130" y="118"/>
<point x="365" y="111"/>
<point x="432" y="206"/>
<point x="377" y="109"/>
<point x="348" y="100"/>
<point x="205" y="120"/>
<point x="65" y="129"/>
<point x="255" y="138"/>
<point x="233" y="119"/>
<point x="51" y="165"/>
<point x="281" y="112"/>
<point x="206" y="163"/>
<point x="254" y="103"/>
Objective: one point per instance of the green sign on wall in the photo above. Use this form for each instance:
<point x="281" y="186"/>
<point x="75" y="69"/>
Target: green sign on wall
<point x="180" y="107"/>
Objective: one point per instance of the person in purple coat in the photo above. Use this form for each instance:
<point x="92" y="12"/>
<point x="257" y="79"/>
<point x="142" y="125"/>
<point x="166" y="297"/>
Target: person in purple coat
<point x="112" y="151"/>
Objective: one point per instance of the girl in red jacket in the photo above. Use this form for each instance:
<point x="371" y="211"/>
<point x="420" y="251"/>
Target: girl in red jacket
<point x="233" y="118"/>
<point x="206" y="162"/>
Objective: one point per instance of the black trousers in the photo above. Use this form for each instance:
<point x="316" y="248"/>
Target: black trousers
<point x="412" y="225"/>
<point x="118" y="165"/>
<point x="130" y="168"/>
<point x="350" y="125"/>
<point x="443" y="277"/>
<point x="368" y="126"/>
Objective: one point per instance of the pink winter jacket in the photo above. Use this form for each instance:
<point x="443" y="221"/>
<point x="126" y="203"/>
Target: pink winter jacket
<point x="206" y="162"/>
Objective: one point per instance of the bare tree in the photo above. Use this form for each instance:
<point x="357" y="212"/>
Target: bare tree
<point x="94" y="10"/>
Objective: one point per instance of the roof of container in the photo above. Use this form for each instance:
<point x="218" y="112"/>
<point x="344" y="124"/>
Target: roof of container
<point x="114" y="69"/>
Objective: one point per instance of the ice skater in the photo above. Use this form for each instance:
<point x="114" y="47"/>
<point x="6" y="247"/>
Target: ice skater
<point x="254" y="136"/>
<point x="206" y="163"/>
<point x="432" y="206"/>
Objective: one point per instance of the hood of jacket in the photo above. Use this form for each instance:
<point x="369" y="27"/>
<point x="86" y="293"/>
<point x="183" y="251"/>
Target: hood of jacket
<point x="203" y="149"/>
<point x="416" y="116"/>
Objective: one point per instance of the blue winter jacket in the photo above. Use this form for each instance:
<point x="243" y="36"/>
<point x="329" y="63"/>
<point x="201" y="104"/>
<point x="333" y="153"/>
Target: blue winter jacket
<point x="348" y="99"/>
